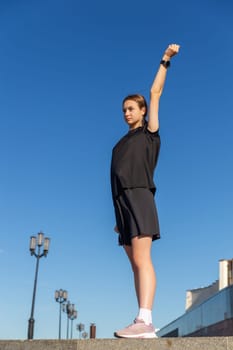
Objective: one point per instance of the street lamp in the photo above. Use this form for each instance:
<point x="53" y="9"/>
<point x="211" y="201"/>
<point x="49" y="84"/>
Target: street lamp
<point x="67" y="308"/>
<point x="73" y="316"/>
<point x="85" y="335"/>
<point x="80" y="327"/>
<point x="36" y="244"/>
<point x="60" y="296"/>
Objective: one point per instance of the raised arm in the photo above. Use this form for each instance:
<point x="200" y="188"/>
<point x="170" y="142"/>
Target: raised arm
<point x="157" y="87"/>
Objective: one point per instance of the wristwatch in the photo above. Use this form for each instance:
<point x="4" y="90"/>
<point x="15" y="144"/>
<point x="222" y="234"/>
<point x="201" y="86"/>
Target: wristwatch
<point x="166" y="64"/>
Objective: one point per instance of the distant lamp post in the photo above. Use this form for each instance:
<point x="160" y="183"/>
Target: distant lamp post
<point x="80" y="328"/>
<point x="60" y="296"/>
<point x="67" y="308"/>
<point x="84" y="335"/>
<point x="36" y="245"/>
<point x="72" y="317"/>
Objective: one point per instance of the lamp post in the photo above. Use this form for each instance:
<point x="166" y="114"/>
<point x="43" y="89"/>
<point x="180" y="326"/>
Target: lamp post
<point x="60" y="296"/>
<point x="80" y="327"/>
<point x="36" y="245"/>
<point x="73" y="316"/>
<point x="85" y="335"/>
<point x="66" y="308"/>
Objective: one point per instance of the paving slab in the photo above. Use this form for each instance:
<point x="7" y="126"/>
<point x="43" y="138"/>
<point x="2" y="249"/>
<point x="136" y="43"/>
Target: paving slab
<point x="194" y="343"/>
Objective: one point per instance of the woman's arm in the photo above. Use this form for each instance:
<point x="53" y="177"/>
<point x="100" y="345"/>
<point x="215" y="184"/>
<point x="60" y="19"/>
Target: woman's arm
<point x="157" y="88"/>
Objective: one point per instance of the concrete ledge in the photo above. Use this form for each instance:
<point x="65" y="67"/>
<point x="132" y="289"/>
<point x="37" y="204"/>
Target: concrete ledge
<point x="194" y="343"/>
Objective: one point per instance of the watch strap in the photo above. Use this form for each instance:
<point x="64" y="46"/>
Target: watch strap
<point x="166" y="64"/>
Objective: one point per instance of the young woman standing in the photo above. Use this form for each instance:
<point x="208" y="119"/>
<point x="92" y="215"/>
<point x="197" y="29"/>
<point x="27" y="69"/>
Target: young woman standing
<point x="133" y="163"/>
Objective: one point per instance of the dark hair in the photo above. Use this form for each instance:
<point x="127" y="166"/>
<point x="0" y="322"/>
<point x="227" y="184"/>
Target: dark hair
<point x="141" y="101"/>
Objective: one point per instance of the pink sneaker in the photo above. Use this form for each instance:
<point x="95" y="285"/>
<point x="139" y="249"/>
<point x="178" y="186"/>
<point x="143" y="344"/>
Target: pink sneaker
<point x="137" y="330"/>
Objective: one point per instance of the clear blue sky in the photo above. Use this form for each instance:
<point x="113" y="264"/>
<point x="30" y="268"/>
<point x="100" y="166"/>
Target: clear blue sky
<point x="64" y="68"/>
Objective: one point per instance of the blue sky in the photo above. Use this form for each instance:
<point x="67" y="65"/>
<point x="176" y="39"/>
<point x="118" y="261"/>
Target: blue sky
<point x="65" y="67"/>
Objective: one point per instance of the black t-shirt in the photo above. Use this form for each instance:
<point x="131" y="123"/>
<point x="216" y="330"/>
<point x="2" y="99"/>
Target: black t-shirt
<point x="134" y="159"/>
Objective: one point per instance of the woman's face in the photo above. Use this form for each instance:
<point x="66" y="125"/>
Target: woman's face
<point x="133" y="115"/>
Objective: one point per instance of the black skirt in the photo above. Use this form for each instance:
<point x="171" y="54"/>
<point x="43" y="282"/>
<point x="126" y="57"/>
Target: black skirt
<point x="136" y="215"/>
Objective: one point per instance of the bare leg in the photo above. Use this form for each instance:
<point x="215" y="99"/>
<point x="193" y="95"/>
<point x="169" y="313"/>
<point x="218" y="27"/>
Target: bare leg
<point x="139" y="255"/>
<point x="128" y="250"/>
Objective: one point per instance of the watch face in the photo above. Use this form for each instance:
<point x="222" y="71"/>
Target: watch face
<point x="166" y="64"/>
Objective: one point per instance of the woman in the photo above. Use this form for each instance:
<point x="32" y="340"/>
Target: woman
<point x="134" y="160"/>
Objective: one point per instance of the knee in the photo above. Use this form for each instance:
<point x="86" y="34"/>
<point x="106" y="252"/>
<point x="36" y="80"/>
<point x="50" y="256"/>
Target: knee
<point x="139" y="261"/>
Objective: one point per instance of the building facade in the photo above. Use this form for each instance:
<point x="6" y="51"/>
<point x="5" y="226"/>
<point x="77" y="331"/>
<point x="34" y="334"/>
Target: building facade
<point x="209" y="310"/>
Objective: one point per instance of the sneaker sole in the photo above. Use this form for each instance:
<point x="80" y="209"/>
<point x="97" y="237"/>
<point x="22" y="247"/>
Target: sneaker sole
<point x="141" y="335"/>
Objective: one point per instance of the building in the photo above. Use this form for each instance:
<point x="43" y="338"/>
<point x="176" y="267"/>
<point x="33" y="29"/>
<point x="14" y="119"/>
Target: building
<point x="209" y="310"/>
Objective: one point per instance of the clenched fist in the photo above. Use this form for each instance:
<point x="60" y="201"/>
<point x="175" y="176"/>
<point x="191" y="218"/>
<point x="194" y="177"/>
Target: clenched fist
<point x="172" y="50"/>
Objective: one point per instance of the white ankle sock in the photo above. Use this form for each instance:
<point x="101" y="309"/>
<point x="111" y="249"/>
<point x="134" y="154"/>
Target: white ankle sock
<point x="145" y="315"/>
